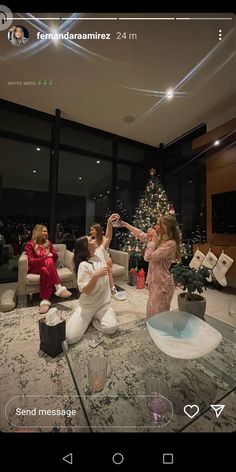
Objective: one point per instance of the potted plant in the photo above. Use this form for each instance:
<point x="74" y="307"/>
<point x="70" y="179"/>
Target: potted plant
<point x="191" y="280"/>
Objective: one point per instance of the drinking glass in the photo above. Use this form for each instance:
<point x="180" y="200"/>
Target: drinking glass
<point x="157" y="391"/>
<point x="97" y="373"/>
<point x="116" y="223"/>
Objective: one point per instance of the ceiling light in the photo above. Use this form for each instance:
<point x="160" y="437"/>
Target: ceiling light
<point x="37" y="148"/>
<point x="34" y="171"/>
<point x="129" y="119"/>
<point x="55" y="36"/>
<point x="216" y="142"/>
<point x="79" y="178"/>
<point x="98" y="162"/>
<point x="169" y="94"/>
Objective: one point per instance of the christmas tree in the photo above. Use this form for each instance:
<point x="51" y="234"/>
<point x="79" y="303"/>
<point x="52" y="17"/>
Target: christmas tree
<point x="153" y="203"/>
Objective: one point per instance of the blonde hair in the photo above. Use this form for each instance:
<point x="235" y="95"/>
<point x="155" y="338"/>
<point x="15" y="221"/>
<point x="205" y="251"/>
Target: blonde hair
<point x="37" y="231"/>
<point x="99" y="233"/>
<point x="172" y="232"/>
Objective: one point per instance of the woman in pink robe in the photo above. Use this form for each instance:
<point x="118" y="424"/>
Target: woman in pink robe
<point x="163" y="248"/>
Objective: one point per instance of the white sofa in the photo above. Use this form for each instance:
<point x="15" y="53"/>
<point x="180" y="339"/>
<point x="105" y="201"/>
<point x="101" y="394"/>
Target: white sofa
<point x="29" y="283"/>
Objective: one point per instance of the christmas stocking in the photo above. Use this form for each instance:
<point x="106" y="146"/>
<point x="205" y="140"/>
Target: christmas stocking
<point x="197" y="259"/>
<point x="222" y="266"/>
<point x="210" y="262"/>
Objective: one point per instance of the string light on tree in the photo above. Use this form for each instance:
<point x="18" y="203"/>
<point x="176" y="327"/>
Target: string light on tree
<point x="153" y="203"/>
<point x="120" y="233"/>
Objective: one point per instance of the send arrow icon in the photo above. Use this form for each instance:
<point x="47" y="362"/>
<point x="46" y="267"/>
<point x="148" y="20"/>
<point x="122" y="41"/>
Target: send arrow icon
<point x="68" y="458"/>
<point x="218" y="409"/>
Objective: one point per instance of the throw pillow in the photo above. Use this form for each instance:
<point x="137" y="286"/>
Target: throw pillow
<point x="61" y="262"/>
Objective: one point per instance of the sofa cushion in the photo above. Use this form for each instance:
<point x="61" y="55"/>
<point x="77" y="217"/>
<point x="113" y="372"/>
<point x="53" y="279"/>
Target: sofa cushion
<point x="117" y="270"/>
<point x="61" y="251"/>
<point x="64" y="274"/>
<point x="61" y="261"/>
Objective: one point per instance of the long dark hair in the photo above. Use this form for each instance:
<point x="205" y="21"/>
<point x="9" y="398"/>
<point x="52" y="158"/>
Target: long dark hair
<point x="99" y="233"/>
<point x="81" y="252"/>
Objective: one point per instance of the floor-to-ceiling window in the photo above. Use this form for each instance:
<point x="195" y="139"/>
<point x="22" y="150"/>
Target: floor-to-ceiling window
<point x="24" y="199"/>
<point x="98" y="173"/>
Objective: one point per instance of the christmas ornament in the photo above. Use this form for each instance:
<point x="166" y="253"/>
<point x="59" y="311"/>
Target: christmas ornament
<point x="152" y="172"/>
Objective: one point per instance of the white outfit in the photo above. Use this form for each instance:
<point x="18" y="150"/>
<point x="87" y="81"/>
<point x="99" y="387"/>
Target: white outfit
<point x="95" y="306"/>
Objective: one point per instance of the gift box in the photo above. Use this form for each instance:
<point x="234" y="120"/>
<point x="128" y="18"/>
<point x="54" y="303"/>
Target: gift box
<point x="140" y="279"/>
<point x="133" y="277"/>
<point x="51" y="337"/>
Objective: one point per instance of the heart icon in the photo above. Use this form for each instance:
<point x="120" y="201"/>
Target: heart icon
<point x="191" y="410"/>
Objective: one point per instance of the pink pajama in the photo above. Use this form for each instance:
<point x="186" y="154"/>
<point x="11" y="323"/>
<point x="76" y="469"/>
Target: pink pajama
<point x="159" y="280"/>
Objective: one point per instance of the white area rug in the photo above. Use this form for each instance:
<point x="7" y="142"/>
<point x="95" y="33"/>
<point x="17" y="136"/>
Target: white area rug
<point x="25" y="371"/>
<point x="30" y="378"/>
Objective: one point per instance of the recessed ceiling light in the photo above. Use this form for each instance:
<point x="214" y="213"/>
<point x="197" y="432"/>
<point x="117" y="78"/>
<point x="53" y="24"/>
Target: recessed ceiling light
<point x="38" y="149"/>
<point x="216" y="142"/>
<point x="98" y="162"/>
<point x="34" y="171"/>
<point x="169" y="94"/>
<point x="129" y="119"/>
<point x="79" y="178"/>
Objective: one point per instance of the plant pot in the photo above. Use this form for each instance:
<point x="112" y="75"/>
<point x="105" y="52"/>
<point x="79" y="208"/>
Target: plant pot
<point x="196" y="307"/>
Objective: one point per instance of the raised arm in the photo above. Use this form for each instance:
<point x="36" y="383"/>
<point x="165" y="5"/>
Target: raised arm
<point x="108" y="235"/>
<point x="136" y="232"/>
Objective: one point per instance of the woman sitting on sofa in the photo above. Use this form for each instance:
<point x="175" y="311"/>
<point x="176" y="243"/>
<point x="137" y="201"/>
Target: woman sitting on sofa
<point x="41" y="260"/>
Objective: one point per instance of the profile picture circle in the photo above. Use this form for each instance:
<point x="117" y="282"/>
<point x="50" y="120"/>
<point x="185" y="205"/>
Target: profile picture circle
<point x="18" y="35"/>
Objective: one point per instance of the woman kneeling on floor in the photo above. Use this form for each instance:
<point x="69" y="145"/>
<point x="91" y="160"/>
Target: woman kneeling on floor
<point x="41" y="260"/>
<point x="93" y="283"/>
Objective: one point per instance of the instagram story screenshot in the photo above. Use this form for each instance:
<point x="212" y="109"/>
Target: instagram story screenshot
<point x="117" y="236"/>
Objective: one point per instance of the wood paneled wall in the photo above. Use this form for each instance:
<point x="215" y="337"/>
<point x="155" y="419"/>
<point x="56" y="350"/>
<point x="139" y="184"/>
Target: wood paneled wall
<point x="220" y="177"/>
<point x="220" y="172"/>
